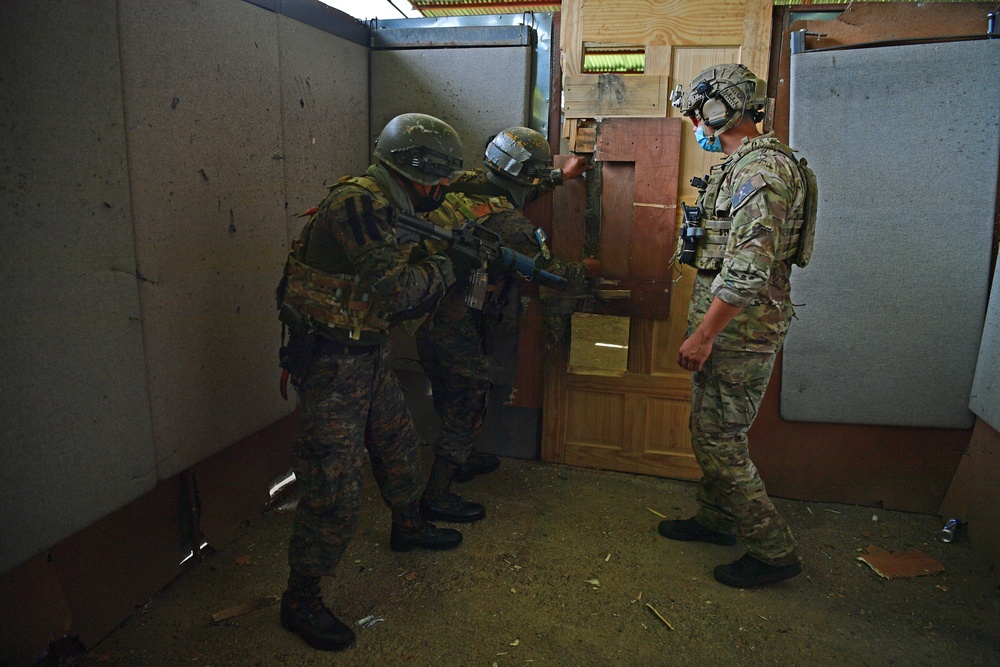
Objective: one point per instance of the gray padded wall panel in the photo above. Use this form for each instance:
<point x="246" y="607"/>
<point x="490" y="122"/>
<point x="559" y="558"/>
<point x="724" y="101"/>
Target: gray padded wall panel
<point x="324" y="83"/>
<point x="478" y="91"/>
<point x="203" y="117"/>
<point x="75" y="439"/>
<point x="905" y="143"/>
<point x="985" y="400"/>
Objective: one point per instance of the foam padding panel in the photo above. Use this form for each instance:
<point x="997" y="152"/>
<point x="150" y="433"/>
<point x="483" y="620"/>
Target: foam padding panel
<point x="478" y="91"/>
<point x="905" y="143"/>
<point x="985" y="400"/>
<point x="75" y="440"/>
<point x="211" y="161"/>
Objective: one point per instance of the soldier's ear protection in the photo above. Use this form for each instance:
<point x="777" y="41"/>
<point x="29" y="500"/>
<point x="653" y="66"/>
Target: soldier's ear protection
<point x="714" y="110"/>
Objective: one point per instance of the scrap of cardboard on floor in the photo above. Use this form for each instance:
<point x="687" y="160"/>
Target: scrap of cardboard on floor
<point x="901" y="565"/>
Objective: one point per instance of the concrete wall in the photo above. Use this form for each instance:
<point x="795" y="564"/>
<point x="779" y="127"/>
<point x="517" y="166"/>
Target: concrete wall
<point x="152" y="157"/>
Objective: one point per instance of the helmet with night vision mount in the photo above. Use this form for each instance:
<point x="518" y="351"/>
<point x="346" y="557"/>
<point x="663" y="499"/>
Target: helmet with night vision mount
<point x="721" y="95"/>
<point x="422" y="148"/>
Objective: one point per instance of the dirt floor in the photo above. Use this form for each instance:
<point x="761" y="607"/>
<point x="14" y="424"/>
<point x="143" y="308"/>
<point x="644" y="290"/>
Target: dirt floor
<point x="562" y="572"/>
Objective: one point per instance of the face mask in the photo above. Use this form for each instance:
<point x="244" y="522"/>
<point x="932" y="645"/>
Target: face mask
<point x="710" y="144"/>
<point x="429" y="202"/>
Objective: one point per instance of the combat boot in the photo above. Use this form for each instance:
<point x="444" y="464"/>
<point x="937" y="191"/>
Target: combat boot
<point x="303" y="612"/>
<point x="689" y="530"/>
<point x="748" y="572"/>
<point x="438" y="502"/>
<point x="478" y="463"/>
<point x="409" y="531"/>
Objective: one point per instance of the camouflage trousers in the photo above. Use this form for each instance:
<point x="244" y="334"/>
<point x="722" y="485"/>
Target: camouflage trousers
<point x="725" y="397"/>
<point x="349" y="403"/>
<point x="451" y="353"/>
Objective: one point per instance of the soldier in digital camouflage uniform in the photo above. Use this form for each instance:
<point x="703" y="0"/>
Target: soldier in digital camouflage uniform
<point x="756" y="217"/>
<point x="453" y="344"/>
<point x="346" y="279"/>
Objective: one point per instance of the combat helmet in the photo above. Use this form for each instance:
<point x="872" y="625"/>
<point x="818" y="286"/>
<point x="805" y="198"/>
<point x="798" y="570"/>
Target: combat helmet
<point x="422" y="148"/>
<point x="721" y="95"/>
<point x="518" y="158"/>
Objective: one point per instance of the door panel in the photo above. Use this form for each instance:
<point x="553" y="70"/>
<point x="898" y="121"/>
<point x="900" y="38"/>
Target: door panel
<point x="637" y="420"/>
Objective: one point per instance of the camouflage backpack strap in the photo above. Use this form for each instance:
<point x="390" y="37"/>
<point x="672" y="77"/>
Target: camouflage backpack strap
<point x="797" y="242"/>
<point x="800" y="245"/>
<point x="807" y="234"/>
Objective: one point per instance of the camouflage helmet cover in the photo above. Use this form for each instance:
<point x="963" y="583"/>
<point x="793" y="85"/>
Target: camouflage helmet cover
<point x="422" y="148"/>
<point x="734" y="84"/>
<point x="519" y="154"/>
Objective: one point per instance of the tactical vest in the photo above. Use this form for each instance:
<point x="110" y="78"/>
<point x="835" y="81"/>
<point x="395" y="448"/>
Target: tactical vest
<point x="719" y="207"/>
<point x="331" y="300"/>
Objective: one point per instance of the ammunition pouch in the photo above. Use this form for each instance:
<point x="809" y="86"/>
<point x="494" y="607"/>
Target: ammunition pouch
<point x="334" y="300"/>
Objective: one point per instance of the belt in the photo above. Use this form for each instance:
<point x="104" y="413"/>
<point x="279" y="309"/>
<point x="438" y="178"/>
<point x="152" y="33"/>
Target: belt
<point x="327" y="346"/>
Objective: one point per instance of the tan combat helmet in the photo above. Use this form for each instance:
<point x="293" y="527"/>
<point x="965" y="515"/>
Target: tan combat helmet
<point x="721" y="95"/>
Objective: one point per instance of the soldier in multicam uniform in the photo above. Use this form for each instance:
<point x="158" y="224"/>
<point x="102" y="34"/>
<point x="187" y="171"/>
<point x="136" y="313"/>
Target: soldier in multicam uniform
<point x="453" y="344"/>
<point x="754" y="219"/>
<point x="345" y="281"/>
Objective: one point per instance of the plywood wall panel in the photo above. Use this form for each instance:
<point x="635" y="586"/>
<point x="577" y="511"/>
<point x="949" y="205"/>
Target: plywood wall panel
<point x="568" y="211"/>
<point x="755" y="51"/>
<point x="600" y="95"/>
<point x="614" y="248"/>
<point x="675" y="22"/>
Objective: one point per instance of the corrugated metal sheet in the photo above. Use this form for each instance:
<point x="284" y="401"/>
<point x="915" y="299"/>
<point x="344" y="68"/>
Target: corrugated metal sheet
<point x="782" y="3"/>
<point x="486" y="7"/>
<point x="634" y="63"/>
<point x="433" y="8"/>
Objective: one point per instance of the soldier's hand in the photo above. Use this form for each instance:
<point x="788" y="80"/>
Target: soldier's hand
<point x="462" y="263"/>
<point x="593" y="266"/>
<point x="575" y="167"/>
<point x="694" y="351"/>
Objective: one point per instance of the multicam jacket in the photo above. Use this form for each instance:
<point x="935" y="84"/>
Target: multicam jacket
<point x="761" y="190"/>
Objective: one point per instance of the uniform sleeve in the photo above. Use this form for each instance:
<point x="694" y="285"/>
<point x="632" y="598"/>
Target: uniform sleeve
<point x="575" y="273"/>
<point x="550" y="181"/>
<point x="761" y="202"/>
<point x="518" y="234"/>
<point x="368" y="239"/>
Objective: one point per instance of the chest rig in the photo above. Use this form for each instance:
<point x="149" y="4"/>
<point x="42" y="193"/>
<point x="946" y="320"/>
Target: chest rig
<point x="706" y="228"/>
<point x="324" y="300"/>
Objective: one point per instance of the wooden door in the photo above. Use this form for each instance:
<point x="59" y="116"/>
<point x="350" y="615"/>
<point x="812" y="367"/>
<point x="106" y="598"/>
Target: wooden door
<point x="627" y="408"/>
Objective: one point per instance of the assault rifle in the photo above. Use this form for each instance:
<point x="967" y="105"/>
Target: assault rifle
<point x="481" y="244"/>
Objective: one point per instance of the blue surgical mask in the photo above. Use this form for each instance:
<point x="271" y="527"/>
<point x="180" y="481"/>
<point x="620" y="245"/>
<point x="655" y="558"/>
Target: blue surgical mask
<point x="710" y="144"/>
